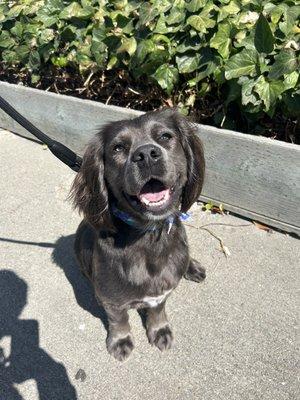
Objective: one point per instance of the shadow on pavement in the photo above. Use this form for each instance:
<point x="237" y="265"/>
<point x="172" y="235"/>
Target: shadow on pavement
<point x="63" y="255"/>
<point x="26" y="360"/>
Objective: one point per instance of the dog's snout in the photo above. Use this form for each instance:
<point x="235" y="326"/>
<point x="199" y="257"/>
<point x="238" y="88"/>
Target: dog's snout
<point x="147" y="153"/>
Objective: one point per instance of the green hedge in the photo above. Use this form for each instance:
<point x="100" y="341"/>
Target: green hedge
<point x="244" y="52"/>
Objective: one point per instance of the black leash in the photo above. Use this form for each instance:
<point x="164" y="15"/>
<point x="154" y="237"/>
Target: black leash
<point x="60" y="151"/>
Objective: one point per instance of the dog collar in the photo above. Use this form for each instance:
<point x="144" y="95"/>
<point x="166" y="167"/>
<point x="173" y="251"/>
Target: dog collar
<point x="125" y="217"/>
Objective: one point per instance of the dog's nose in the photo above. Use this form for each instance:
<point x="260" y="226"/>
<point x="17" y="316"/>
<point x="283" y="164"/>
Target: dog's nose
<point x="148" y="153"/>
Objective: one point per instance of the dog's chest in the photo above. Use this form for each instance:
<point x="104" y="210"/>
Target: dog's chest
<point x="155" y="300"/>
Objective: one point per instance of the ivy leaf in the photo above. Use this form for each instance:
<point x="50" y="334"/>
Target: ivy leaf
<point x="74" y="10"/>
<point x="166" y="76"/>
<point x="243" y="63"/>
<point x="221" y="40"/>
<point x="34" y="60"/>
<point x="112" y="62"/>
<point x="147" y="13"/>
<point x="247" y="86"/>
<point x="98" y="47"/>
<point x="153" y="62"/>
<point x="17" y="30"/>
<point x="15" y="11"/>
<point x="47" y="20"/>
<point x="35" y="78"/>
<point x="32" y="29"/>
<point x="22" y="52"/>
<point x="84" y="60"/>
<point x="263" y="64"/>
<point x="128" y="45"/>
<point x="195" y="5"/>
<point x="126" y="24"/>
<point x="59" y="61"/>
<point x="285" y="63"/>
<point x="52" y="7"/>
<point x="144" y="48"/>
<point x="245" y="40"/>
<point x="268" y="91"/>
<point x="187" y="63"/>
<point x="176" y="16"/>
<point x="200" y="22"/>
<point x="263" y="37"/>
<point x="6" y="40"/>
<point x="46" y="36"/>
<point x="291" y="14"/>
<point x="209" y="69"/>
<point x="9" y="56"/>
<point x="249" y="17"/>
<point x="2" y="15"/>
<point x="229" y="9"/>
<point x="275" y="11"/>
<point x="193" y="44"/>
<point x="290" y="80"/>
<point x="119" y="4"/>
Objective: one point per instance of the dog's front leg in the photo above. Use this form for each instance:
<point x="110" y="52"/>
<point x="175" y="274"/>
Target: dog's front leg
<point x="195" y="271"/>
<point x="119" y="340"/>
<point x="158" y="328"/>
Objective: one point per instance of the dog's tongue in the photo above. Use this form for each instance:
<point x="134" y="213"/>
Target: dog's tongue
<point x="154" y="191"/>
<point x="154" y="197"/>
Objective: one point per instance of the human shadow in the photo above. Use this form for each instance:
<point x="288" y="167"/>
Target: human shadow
<point x="26" y="359"/>
<point x="63" y="256"/>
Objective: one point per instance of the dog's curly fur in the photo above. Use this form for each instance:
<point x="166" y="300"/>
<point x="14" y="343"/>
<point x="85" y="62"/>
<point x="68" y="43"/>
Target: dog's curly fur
<point x="128" y="264"/>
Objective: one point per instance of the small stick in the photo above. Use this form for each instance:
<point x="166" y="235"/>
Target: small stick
<point x="224" y="248"/>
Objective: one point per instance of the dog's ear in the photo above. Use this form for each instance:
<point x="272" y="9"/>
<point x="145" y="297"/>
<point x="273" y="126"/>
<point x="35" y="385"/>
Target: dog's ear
<point x="89" y="191"/>
<point x="194" y="154"/>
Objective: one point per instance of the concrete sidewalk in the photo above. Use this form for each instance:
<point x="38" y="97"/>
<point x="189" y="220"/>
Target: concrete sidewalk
<point x="236" y="333"/>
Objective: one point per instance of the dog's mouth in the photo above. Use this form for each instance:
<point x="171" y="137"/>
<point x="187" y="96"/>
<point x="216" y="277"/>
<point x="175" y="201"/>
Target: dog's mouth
<point x="154" y="195"/>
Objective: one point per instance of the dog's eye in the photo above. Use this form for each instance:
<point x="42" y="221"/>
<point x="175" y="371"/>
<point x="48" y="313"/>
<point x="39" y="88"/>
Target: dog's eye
<point x="165" y="137"/>
<point x="118" y="148"/>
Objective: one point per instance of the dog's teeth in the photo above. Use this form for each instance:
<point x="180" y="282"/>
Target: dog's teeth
<point x="145" y="201"/>
<point x="153" y="203"/>
<point x="157" y="203"/>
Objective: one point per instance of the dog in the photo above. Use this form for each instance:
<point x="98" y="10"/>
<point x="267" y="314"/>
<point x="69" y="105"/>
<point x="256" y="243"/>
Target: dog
<point x="137" y="179"/>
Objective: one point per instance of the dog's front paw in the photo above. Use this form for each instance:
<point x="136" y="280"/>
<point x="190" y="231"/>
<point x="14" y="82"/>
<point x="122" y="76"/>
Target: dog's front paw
<point x="195" y="272"/>
<point x="120" y="348"/>
<point x="161" y="338"/>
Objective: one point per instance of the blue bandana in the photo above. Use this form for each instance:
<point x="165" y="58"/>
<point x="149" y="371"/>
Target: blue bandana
<point x="123" y="216"/>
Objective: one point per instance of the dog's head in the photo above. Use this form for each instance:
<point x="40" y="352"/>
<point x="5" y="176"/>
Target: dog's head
<point x="149" y="167"/>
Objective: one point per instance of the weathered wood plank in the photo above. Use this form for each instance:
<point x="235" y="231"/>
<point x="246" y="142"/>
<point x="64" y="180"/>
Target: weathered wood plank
<point x="67" y="119"/>
<point x="255" y="177"/>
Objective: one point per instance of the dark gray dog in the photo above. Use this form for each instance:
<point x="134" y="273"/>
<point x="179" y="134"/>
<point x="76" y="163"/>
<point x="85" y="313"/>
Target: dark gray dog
<point x="135" y="177"/>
